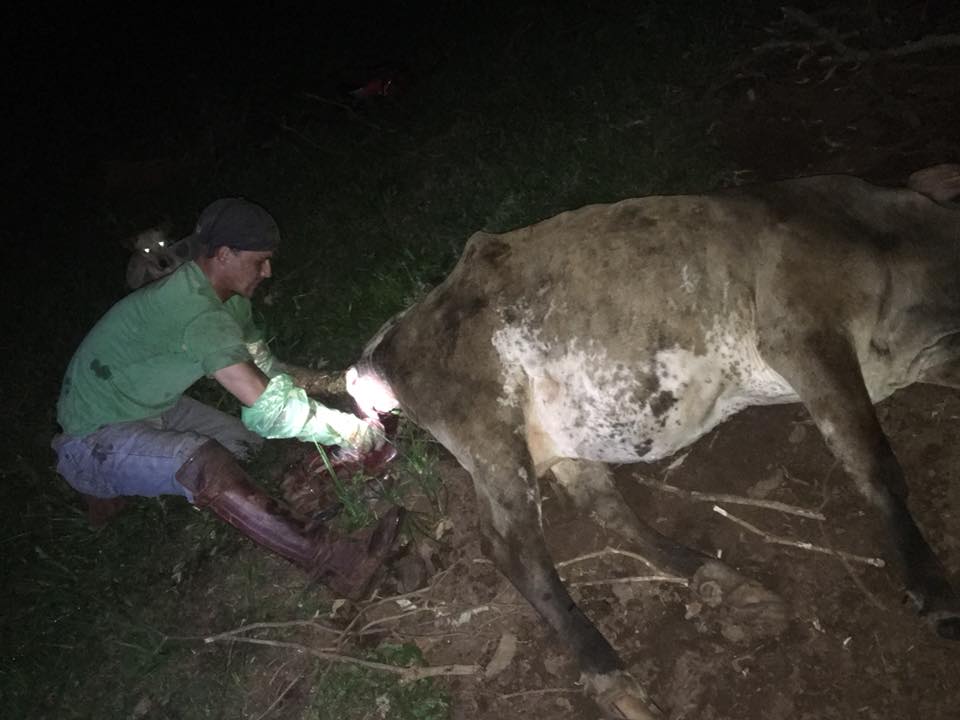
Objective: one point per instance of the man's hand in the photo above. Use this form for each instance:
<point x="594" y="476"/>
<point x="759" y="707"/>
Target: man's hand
<point x="281" y="409"/>
<point x="367" y="437"/>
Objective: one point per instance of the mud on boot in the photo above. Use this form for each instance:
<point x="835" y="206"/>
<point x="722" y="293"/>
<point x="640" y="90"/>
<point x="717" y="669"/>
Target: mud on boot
<point x="349" y="564"/>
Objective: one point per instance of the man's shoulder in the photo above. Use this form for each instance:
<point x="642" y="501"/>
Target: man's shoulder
<point x="184" y="292"/>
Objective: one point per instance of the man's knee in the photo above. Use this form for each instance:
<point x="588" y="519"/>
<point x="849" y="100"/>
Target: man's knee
<point x="243" y="446"/>
<point x="204" y="470"/>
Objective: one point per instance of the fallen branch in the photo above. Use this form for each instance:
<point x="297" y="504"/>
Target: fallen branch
<point x="731" y="499"/>
<point x="271" y="625"/>
<point x="407" y="674"/>
<point x="634" y="579"/>
<point x="802" y="544"/>
<point x="660" y="576"/>
<point x="607" y="551"/>
<point x="541" y="691"/>
<point x="435" y="581"/>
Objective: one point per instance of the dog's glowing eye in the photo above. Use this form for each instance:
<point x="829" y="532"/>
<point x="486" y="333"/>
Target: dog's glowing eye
<point x="147" y="250"/>
<point x="162" y="243"/>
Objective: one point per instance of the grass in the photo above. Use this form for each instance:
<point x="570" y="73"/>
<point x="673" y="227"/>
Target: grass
<point x="348" y="692"/>
<point x="511" y="121"/>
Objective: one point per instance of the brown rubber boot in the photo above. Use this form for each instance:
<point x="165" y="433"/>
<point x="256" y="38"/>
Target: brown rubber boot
<point x="347" y="565"/>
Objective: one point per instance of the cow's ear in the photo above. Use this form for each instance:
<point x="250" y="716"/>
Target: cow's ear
<point x="940" y="183"/>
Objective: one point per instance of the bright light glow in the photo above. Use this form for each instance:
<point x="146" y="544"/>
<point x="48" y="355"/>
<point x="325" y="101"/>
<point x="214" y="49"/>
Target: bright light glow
<point x="371" y="395"/>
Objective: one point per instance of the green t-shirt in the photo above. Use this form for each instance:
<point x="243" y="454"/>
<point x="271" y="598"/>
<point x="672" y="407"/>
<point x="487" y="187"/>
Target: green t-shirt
<point x="150" y="347"/>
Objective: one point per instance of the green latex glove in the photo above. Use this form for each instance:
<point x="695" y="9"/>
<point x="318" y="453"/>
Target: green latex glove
<point x="284" y="411"/>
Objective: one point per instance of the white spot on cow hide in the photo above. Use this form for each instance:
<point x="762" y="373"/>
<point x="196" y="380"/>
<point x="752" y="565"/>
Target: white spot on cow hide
<point x="647" y="407"/>
<point x="689" y="280"/>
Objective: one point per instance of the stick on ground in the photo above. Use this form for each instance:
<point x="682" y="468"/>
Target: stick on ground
<point x="802" y="544"/>
<point x="731" y="499"/>
<point x="407" y="674"/>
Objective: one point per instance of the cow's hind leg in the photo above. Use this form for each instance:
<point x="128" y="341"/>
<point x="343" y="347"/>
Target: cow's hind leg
<point x="824" y="371"/>
<point x="746" y="602"/>
<point x="508" y="501"/>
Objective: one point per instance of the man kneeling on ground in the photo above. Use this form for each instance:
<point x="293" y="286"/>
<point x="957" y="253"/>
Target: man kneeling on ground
<point x="129" y="430"/>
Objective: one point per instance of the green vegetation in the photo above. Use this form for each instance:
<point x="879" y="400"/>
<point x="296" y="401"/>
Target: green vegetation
<point x="518" y="113"/>
<point x="348" y="692"/>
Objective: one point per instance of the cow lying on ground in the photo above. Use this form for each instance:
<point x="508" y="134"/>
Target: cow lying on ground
<point x="622" y="333"/>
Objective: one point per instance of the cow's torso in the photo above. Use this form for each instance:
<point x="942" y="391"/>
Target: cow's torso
<point x="627" y="331"/>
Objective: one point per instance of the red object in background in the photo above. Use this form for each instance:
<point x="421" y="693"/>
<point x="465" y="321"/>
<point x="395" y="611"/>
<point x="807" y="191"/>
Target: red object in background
<point x="387" y="83"/>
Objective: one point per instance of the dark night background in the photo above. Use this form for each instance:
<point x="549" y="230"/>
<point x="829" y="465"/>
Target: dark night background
<point x="504" y="113"/>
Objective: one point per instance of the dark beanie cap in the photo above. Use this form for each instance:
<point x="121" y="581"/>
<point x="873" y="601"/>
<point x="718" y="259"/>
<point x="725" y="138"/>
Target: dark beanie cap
<point x="238" y="224"/>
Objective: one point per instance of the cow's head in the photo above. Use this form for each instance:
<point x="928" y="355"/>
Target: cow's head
<point x="365" y="383"/>
<point x="372" y="395"/>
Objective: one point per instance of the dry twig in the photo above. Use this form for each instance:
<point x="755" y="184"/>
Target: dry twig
<point x="436" y="580"/>
<point x="731" y="499"/>
<point x="660" y="576"/>
<point x="633" y="579"/>
<point x="607" y="551"/>
<point x="802" y="544"/>
<point x="540" y="691"/>
<point x="271" y="625"/>
<point x="407" y="674"/>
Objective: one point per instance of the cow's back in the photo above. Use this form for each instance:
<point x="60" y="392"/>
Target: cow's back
<point x="627" y="330"/>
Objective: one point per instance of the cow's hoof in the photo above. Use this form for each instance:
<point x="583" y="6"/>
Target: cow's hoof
<point x="747" y="610"/>
<point x="620" y="697"/>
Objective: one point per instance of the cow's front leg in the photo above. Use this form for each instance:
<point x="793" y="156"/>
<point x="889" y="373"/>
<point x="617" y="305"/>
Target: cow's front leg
<point x="824" y="371"/>
<point x="509" y="511"/>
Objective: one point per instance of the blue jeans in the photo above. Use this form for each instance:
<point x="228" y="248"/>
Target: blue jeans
<point x="143" y="457"/>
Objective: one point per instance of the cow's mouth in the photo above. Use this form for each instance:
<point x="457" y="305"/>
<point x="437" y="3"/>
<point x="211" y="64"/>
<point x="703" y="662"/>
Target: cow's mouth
<point x="372" y="396"/>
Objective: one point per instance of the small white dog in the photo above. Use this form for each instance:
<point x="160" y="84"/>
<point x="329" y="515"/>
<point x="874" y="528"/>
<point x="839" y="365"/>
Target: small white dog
<point x="155" y="255"/>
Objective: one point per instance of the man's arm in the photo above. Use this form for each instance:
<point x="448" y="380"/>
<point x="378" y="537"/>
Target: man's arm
<point x="278" y="409"/>
<point x="244" y="381"/>
<point x="329" y="384"/>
